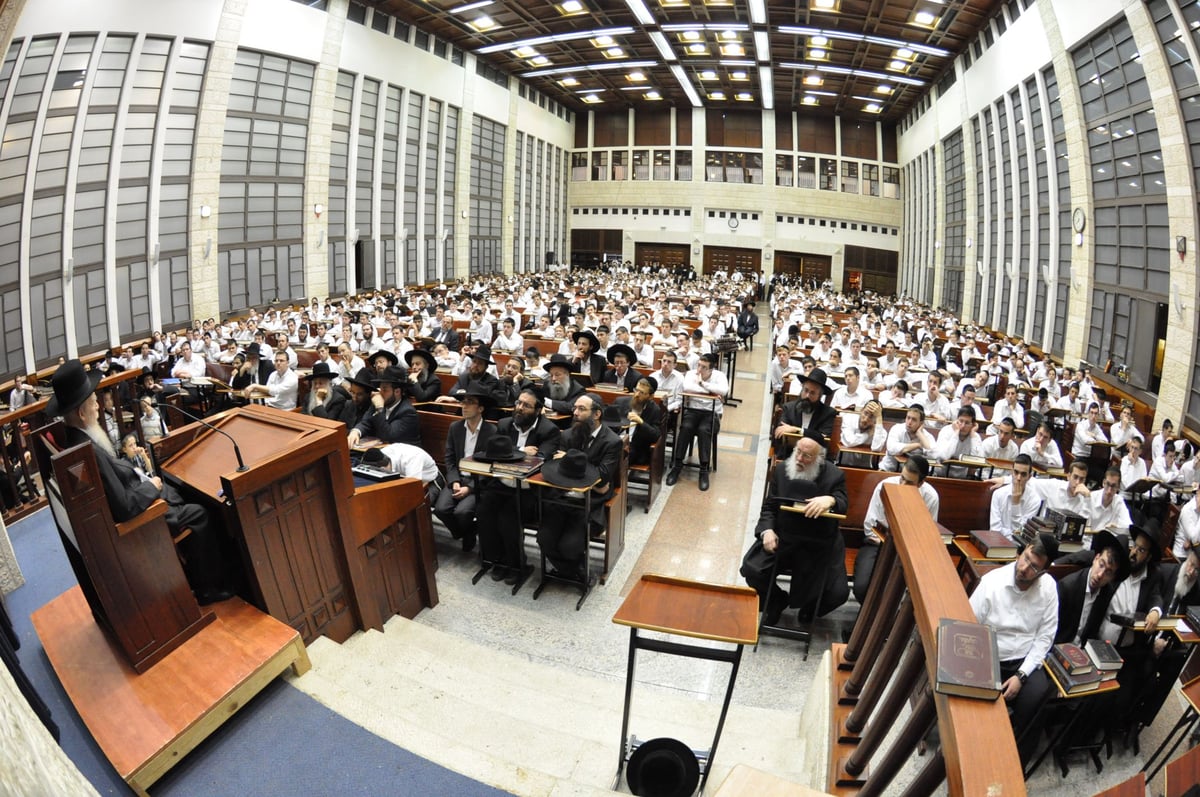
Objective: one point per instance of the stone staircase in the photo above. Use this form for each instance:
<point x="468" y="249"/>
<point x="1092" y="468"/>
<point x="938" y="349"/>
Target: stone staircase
<point x="527" y="727"/>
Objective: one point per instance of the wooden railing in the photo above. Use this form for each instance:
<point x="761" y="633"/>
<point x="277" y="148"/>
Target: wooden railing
<point x="20" y="476"/>
<point x="891" y="660"/>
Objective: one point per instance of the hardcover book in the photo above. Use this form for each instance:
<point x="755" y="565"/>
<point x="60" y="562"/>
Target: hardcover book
<point x="993" y="544"/>
<point x="1072" y="684"/>
<point x="1104" y="655"/>
<point x="968" y="664"/>
<point x="1072" y="658"/>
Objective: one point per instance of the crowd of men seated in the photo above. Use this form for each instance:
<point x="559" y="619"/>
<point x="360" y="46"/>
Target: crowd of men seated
<point x="564" y="362"/>
<point x="969" y="405"/>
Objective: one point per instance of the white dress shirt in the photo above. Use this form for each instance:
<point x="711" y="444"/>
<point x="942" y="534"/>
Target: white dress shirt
<point x="1025" y="621"/>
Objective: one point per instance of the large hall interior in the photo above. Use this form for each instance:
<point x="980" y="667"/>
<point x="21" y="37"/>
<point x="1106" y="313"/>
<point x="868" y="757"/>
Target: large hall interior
<point x="1022" y="171"/>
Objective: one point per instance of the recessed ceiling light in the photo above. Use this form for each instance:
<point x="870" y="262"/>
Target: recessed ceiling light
<point x="716" y="95"/>
<point x="813" y="80"/>
<point x="818" y="54"/>
<point x="925" y="18"/>
<point x="738" y="75"/>
<point x="591" y="99"/>
<point x="690" y="35"/>
<point x="636" y="77"/>
<point x="525" y="52"/>
<point x="824" y="5"/>
<point x="653" y="95"/>
<point x="568" y="81"/>
<point x="571" y="7"/>
<point x="539" y="60"/>
<point x="603" y="41"/>
<point x="729" y="35"/>
<point x="744" y="96"/>
<point x="818" y="41"/>
<point x="883" y="88"/>
<point x="905" y="54"/>
<point x="897" y="65"/>
<point x="614" y="52"/>
<point x="483" y="23"/>
<point x="808" y="100"/>
<point x="733" y="50"/>
<point x="873" y="107"/>
<point x="708" y="74"/>
<point x="697" y="48"/>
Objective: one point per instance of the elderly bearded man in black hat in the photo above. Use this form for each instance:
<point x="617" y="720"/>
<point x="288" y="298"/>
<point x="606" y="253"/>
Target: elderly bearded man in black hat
<point x="809" y="412"/>
<point x="325" y="399"/>
<point x="563" y="536"/>
<point x="808" y="478"/>
<point x="128" y="493"/>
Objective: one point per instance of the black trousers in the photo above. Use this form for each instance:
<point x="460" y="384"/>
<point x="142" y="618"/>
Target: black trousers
<point x="1024" y="707"/>
<point x="501" y="536"/>
<point x="695" y="423"/>
<point x="807" y="591"/>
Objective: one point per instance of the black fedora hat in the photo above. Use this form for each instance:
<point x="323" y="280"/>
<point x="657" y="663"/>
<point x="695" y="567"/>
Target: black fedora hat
<point x="413" y="354"/>
<point x="483" y="352"/>
<point x="500" y="448"/>
<point x="818" y="378"/>
<point x="320" y="370"/>
<point x="72" y="384"/>
<point x="479" y="393"/>
<point x="559" y="361"/>
<point x="615" y="417"/>
<point x="253" y="350"/>
<point x="663" y="768"/>
<point x="1149" y="533"/>
<point x="365" y="378"/>
<point x="591" y="336"/>
<point x="621" y="348"/>
<point x="392" y="375"/>
<point x="388" y="353"/>
<point x="571" y="470"/>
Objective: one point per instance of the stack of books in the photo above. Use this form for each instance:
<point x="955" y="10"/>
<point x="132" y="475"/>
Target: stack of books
<point x="1073" y="669"/>
<point x="1105" y="658"/>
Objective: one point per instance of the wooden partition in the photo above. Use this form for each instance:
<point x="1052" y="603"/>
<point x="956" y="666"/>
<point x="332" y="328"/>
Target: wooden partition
<point x="890" y="661"/>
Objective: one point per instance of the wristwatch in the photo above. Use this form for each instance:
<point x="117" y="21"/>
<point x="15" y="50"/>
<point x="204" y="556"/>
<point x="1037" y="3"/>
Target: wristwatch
<point x="1022" y="677"/>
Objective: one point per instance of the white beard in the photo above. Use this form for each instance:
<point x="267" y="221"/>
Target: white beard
<point x="1183" y="585"/>
<point x="809" y="474"/>
<point x="100" y="438"/>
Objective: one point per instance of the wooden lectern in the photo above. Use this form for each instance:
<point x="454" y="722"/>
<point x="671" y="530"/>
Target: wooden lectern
<point x="320" y="556"/>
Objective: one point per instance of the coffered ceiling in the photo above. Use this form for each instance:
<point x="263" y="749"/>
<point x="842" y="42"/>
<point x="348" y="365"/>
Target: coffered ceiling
<point x="870" y="58"/>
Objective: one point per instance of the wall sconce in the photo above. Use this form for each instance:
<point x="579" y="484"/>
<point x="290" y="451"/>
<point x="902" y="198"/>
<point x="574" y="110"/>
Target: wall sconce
<point x="1010" y="269"/>
<point x="1046" y="274"/>
<point x="1079" y="239"/>
<point x="969" y="243"/>
<point x="353" y="236"/>
<point x="464" y="215"/>
<point x="1181" y="246"/>
<point x="981" y="269"/>
<point x="444" y="234"/>
<point x="205" y="211"/>
<point x="937" y="244"/>
<point x="318" y="209"/>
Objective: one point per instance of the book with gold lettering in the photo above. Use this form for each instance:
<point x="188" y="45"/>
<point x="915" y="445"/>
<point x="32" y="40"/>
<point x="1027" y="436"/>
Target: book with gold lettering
<point x="968" y="664"/>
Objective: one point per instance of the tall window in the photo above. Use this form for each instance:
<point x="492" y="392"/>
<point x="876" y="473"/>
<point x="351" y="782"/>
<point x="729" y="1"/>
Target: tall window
<point x="261" y="252"/>
<point x="954" y="249"/>
<point x="487" y="194"/>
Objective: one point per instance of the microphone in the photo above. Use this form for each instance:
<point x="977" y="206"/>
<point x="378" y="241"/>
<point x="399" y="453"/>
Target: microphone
<point x="237" y="452"/>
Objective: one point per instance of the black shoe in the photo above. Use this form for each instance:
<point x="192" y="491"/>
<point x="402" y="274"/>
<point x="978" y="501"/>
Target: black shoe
<point x="773" y="616"/>
<point x="673" y="476"/>
<point x="514" y="575"/>
<point x="499" y="573"/>
<point x="703" y="480"/>
<point x="468" y="543"/>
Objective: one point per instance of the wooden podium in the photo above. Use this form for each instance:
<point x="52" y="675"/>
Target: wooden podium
<point x="320" y="556"/>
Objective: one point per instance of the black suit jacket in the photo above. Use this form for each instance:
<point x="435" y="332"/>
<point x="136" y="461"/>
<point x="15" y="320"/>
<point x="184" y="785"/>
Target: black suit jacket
<point x="1071" y="592"/>
<point x="128" y="496"/>
<point x="447" y="334"/>
<point x="604" y="452"/>
<point x="595" y="366"/>
<point x="510" y="390"/>
<point x="394" y="424"/>
<point x="830" y="481"/>
<point x="821" y="421"/>
<point x="646" y="433"/>
<point x="427" y="388"/>
<point x="1169" y="574"/>
<point x="339" y="408"/>
<point x="456" y="445"/>
<point x="629" y="382"/>
<point x="545" y="436"/>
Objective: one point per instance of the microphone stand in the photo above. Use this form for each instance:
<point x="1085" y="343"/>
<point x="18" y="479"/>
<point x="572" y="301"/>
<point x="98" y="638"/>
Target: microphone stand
<point x="237" y="452"/>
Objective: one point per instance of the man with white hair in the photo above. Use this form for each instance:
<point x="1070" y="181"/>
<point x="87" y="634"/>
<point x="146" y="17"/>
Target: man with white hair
<point x="807" y="479"/>
<point x="127" y="492"/>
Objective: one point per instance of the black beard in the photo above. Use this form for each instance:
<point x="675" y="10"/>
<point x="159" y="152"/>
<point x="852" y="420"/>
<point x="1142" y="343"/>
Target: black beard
<point x="805" y="405"/>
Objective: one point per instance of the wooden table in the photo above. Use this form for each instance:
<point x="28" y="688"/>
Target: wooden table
<point x="146" y="723"/>
<point x="681" y="607"/>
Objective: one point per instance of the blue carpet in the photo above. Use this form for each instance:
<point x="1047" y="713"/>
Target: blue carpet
<point x="281" y="743"/>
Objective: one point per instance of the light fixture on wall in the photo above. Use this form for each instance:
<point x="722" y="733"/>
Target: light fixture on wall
<point x="937" y="244"/>
<point x="1079" y="239"/>
<point x="1181" y="246"/>
<point x="1177" y="299"/>
<point x="464" y="215"/>
<point x="1010" y="269"/>
<point x="318" y="209"/>
<point x="1046" y="278"/>
<point x="321" y="238"/>
<point x="207" y="247"/>
<point x="969" y="243"/>
<point x="981" y="269"/>
<point x="205" y="211"/>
